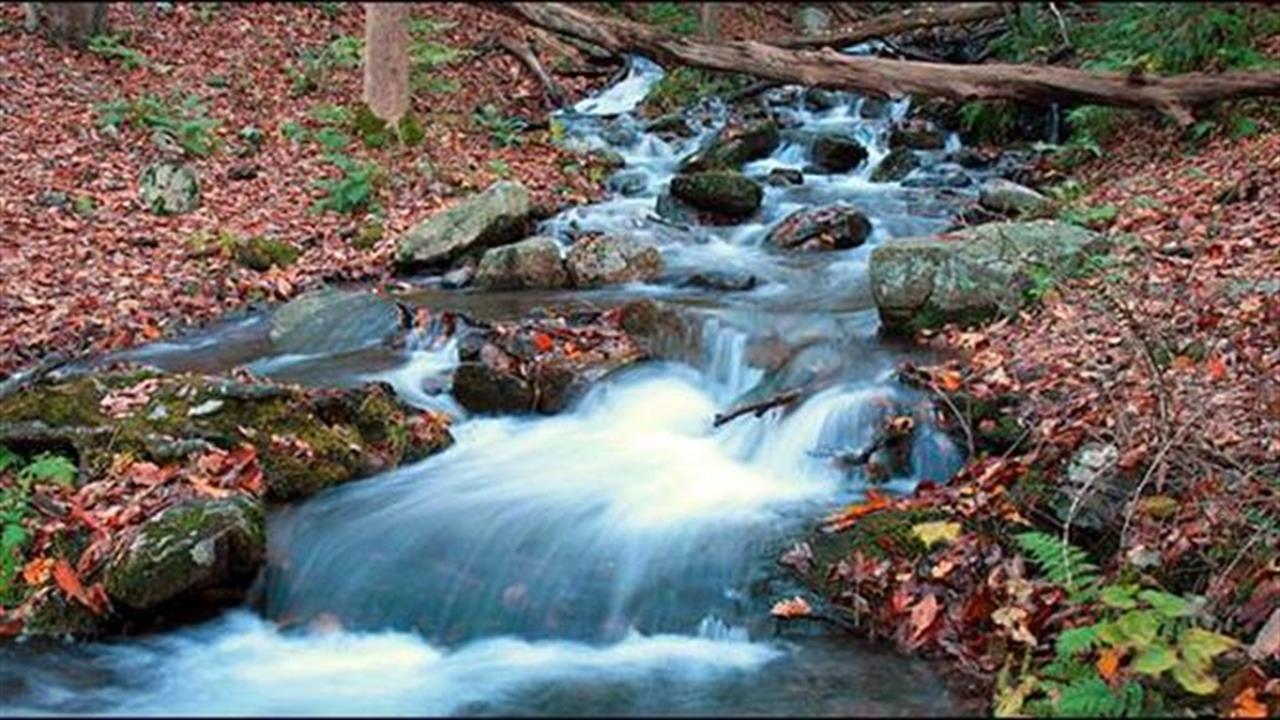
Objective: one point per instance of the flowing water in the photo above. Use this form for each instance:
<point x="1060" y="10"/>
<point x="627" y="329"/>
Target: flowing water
<point x="616" y="559"/>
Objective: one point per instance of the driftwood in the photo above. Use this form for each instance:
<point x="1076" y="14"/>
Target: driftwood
<point x="1174" y="96"/>
<point x="882" y="26"/>
<point x="759" y="408"/>
<point x="522" y="52"/>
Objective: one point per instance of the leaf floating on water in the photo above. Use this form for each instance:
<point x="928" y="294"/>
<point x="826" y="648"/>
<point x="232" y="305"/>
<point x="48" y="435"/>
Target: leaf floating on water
<point x="795" y="607"/>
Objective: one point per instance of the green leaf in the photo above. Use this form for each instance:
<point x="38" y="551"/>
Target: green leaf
<point x="47" y="467"/>
<point x="1199" y="646"/>
<point x="1119" y="596"/>
<point x="1076" y="640"/>
<point x="1168" y="605"/>
<point x="1195" y="680"/>
<point x="8" y="458"/>
<point x="1139" y="626"/>
<point x="1155" y="660"/>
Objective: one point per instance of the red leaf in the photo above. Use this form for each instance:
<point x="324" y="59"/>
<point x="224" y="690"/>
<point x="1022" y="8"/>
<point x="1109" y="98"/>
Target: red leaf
<point x="923" y="615"/>
<point x="69" y="583"/>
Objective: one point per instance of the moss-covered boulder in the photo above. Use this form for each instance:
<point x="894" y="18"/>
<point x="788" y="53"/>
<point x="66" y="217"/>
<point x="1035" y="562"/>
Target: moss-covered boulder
<point x="202" y="548"/>
<point x="730" y="194"/>
<point x="263" y="253"/>
<point x="831" y="227"/>
<point x="734" y="147"/>
<point x="532" y="263"/>
<point x="1011" y="199"/>
<point x="837" y="153"/>
<point x="896" y="165"/>
<point x="972" y="275"/>
<point x="917" y="135"/>
<point x="501" y="214"/>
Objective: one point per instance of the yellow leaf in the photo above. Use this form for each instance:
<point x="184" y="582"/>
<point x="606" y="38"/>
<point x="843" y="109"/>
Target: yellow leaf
<point x="932" y="533"/>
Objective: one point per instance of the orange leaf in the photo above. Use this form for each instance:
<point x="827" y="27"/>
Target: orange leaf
<point x="69" y="582"/>
<point x="1247" y="705"/>
<point x="875" y="501"/>
<point x="1217" y="369"/>
<point x="923" y="614"/>
<point x="1108" y="663"/>
<point x="796" y="607"/>
<point x="37" y="571"/>
<point x="542" y="342"/>
<point x="949" y="380"/>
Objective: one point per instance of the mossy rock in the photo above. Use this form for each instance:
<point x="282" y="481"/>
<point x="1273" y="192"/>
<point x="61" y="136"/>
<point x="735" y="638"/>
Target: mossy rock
<point x="721" y="192"/>
<point x="733" y="148"/>
<point x="196" y="547"/>
<point x="263" y="253"/>
<point x="896" y="165"/>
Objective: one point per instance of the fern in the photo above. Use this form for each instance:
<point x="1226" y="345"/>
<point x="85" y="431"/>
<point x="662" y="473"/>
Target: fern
<point x="1062" y="563"/>
<point x="47" y="467"/>
<point x="1076" y="640"/>
<point x="1093" y="698"/>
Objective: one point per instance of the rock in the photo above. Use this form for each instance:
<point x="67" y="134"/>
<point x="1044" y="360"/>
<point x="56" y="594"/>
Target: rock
<point x="971" y="275"/>
<point x="619" y="134"/>
<point x="917" y="135"/>
<point x="521" y="367"/>
<point x="730" y="194"/>
<point x="629" y="184"/>
<point x="782" y="177"/>
<point x="722" y="280"/>
<point x="818" y="100"/>
<point x="262" y="253"/>
<point x="673" y="124"/>
<point x="940" y="111"/>
<point x="596" y="260"/>
<point x="196" y="548"/>
<point x="810" y="20"/>
<point x="332" y="321"/>
<point x="732" y="148"/>
<point x="873" y="108"/>
<point x="971" y="159"/>
<point x="837" y="154"/>
<point x="169" y="189"/>
<point x="672" y="210"/>
<point x="832" y="227"/>
<point x="945" y="179"/>
<point x="1010" y="198"/>
<point x="499" y="215"/>
<point x="895" y="166"/>
<point x="460" y="276"/>
<point x="533" y="263"/>
<point x="53" y="199"/>
<point x="1093" y="487"/>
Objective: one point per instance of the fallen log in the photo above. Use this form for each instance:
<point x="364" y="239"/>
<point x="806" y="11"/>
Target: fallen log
<point x="759" y="408"/>
<point x="881" y="26"/>
<point x="1174" y="96"/>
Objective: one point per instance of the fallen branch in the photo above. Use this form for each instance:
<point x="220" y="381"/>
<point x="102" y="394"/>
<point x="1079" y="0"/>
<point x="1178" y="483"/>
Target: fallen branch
<point x="759" y="408"/>
<point x="524" y="54"/>
<point x="894" y="23"/>
<point x="1173" y="96"/>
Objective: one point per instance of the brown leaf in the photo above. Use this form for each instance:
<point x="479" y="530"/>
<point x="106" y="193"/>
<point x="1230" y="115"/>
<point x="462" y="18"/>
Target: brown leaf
<point x="795" y="607"/>
<point x="923" y="614"/>
<point x="69" y="583"/>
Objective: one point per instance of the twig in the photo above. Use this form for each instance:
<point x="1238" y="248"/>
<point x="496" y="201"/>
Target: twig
<point x="1155" y="463"/>
<point x="759" y="408"/>
<point x="1062" y="24"/>
<point x="524" y="54"/>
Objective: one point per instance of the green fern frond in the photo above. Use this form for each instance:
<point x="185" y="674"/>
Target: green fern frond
<point x="1062" y="563"/>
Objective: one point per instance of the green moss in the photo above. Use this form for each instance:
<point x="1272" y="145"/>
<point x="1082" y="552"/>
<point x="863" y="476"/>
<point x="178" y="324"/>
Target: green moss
<point x="684" y="86"/>
<point x="410" y="131"/>
<point x="368" y="236"/>
<point x="880" y="534"/>
<point x="261" y="253"/>
<point x="73" y="403"/>
<point x="369" y="127"/>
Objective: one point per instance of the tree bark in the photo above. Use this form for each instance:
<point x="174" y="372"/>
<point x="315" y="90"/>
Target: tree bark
<point x="709" y="21"/>
<point x="1174" y="96"/>
<point x="893" y="23"/>
<point x="386" y="60"/>
<point x="69" y="23"/>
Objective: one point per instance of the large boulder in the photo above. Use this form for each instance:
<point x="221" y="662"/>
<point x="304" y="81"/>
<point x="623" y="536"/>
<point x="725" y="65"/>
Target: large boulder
<point x="832" y="227"/>
<point x="971" y="275"/>
<point x="169" y="189"/>
<point x="917" y="135"/>
<point x="499" y="215"/>
<point x="333" y="321"/>
<point x="533" y="263"/>
<point x="837" y="154"/>
<point x="895" y="166"/>
<point x="732" y="148"/>
<point x="201" y="547"/>
<point x="726" y="193"/>
<point x="1010" y="198"/>
<point x="596" y="260"/>
<point x="539" y="364"/>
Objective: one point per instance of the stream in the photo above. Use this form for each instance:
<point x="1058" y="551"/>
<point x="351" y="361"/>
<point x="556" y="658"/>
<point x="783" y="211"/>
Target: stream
<point x="619" y="558"/>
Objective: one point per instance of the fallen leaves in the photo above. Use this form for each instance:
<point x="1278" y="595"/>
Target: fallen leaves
<point x="796" y="607"/>
<point x="95" y="598"/>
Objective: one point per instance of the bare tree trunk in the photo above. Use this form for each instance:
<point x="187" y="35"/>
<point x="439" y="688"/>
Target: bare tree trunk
<point x="69" y="23"/>
<point x="1174" y="96"/>
<point x="709" y="21"/>
<point x="386" y="60"/>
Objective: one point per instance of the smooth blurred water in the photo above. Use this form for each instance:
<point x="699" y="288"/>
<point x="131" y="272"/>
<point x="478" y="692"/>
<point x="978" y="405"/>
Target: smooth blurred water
<point x="616" y="559"/>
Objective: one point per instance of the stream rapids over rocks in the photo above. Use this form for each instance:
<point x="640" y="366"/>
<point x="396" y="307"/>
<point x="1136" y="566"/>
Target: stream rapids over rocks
<point x="617" y="558"/>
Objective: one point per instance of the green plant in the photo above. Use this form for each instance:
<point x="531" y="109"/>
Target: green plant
<point x="989" y="122"/>
<point x="335" y="115"/>
<point x="500" y="168"/>
<point x="111" y="47"/>
<point x="84" y="205"/>
<point x="15" y="507"/>
<point x="182" y="119"/>
<point x="353" y="191"/>
<point x="293" y="131"/>
<point x="331" y="139"/>
<point x="1096" y="217"/>
<point x="683" y="86"/>
<point x="1062" y="563"/>
<point x="679" y="18"/>
<point x="503" y="131"/>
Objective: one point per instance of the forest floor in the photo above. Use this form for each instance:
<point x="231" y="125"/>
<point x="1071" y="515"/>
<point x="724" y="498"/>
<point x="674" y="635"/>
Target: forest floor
<point x="85" y="268"/>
